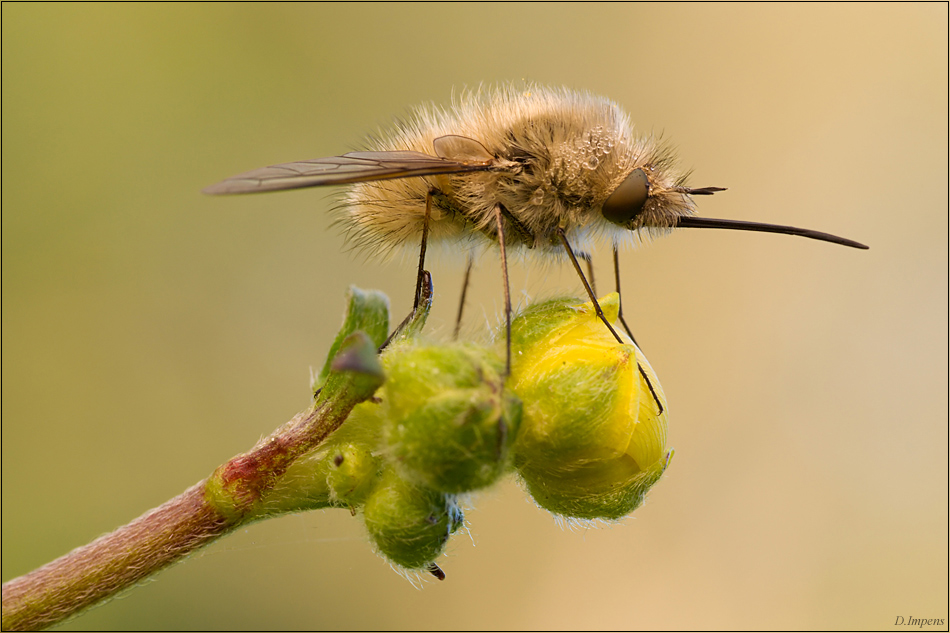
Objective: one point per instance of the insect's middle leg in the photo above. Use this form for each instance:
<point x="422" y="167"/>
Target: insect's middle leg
<point x="590" y="271"/>
<point x="623" y="322"/>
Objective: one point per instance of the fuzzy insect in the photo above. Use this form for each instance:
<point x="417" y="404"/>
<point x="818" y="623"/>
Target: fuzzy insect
<point x="549" y="169"/>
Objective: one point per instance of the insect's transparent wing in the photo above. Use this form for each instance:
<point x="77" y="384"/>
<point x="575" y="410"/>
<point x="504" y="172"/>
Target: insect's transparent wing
<point x="338" y="170"/>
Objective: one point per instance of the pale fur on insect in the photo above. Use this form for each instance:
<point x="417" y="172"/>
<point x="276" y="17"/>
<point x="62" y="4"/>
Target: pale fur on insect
<point x="547" y="170"/>
<point x="543" y="167"/>
<point x="581" y="147"/>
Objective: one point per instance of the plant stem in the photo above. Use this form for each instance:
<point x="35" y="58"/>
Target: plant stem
<point x="99" y="570"/>
<point x="235" y="494"/>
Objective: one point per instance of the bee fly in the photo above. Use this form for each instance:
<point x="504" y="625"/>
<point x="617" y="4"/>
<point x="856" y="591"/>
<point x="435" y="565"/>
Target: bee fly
<point x="548" y="169"/>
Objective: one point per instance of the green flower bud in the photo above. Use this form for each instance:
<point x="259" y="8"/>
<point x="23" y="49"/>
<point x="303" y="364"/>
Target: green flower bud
<point x="409" y="524"/>
<point x="449" y="423"/>
<point x="351" y="474"/>
<point x="593" y="440"/>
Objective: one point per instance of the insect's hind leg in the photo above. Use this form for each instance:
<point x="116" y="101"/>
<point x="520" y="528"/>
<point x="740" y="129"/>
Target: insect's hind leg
<point x="423" y="294"/>
<point x="468" y="273"/>
<point x="600" y="312"/>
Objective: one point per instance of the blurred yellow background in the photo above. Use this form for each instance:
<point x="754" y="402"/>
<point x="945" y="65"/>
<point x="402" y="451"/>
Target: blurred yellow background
<point x="150" y="332"/>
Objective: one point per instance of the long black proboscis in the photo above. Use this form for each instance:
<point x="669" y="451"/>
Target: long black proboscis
<point x="693" y="222"/>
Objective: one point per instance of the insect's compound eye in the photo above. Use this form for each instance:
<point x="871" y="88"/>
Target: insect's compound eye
<point x="627" y="200"/>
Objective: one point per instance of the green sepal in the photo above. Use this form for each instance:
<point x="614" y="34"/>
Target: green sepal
<point x="366" y="310"/>
<point x="355" y="369"/>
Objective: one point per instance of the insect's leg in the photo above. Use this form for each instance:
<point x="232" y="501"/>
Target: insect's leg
<point x="600" y="313"/>
<point x="590" y="291"/>
<point x="468" y="274"/>
<point x="620" y="301"/>
<point x="590" y="271"/>
<point x="656" y="398"/>
<point x="523" y="232"/>
<point x="627" y="327"/>
<point x="416" y="319"/>
<point x="422" y="250"/>
<point x="423" y="278"/>
<point x="504" y="275"/>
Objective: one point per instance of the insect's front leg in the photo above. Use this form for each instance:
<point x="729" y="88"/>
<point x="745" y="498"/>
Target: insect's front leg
<point x="600" y="313"/>
<point x="422" y="249"/>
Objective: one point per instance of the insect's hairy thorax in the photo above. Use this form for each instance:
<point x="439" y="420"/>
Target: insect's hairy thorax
<point x="560" y="177"/>
<point x="559" y="156"/>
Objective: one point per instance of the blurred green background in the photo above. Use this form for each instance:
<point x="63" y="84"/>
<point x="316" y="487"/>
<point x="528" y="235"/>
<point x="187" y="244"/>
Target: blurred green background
<point x="150" y="332"/>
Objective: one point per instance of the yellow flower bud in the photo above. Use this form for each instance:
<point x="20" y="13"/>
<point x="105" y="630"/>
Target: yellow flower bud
<point x="593" y="438"/>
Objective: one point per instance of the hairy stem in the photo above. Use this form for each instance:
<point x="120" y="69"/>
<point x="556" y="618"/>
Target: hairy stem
<point x="237" y="492"/>
<point x="92" y="573"/>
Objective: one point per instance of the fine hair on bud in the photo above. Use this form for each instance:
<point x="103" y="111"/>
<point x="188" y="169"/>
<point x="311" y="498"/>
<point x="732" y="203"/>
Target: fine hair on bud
<point x="449" y="423"/>
<point x="409" y="524"/>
